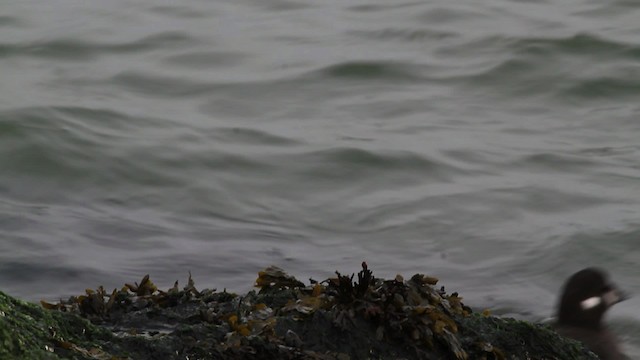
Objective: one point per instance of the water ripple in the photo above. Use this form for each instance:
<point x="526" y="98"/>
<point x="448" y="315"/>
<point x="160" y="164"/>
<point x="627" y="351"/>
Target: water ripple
<point x="10" y="21"/>
<point x="205" y="60"/>
<point x="79" y="50"/>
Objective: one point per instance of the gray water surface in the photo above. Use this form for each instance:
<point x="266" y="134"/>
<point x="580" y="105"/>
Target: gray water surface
<point x="494" y="145"/>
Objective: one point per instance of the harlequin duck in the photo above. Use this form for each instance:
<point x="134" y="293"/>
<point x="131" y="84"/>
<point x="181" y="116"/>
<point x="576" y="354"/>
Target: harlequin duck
<point x="586" y="296"/>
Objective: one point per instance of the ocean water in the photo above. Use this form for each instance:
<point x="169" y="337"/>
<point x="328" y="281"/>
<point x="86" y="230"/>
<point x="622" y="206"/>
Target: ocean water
<point x="494" y="145"/>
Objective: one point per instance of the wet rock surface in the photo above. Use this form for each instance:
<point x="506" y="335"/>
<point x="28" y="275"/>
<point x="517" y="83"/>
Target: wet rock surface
<point x="338" y="318"/>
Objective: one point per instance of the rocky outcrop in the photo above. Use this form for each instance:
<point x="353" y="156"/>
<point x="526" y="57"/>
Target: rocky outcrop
<point x="338" y="318"/>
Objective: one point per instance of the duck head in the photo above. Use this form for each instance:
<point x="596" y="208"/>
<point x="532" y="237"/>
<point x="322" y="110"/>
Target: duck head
<point x="586" y="296"/>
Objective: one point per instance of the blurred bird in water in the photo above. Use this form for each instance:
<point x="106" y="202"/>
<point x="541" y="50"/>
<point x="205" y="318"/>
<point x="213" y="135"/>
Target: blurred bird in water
<point x="585" y="298"/>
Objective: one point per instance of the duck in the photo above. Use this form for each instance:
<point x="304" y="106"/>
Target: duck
<point x="585" y="298"/>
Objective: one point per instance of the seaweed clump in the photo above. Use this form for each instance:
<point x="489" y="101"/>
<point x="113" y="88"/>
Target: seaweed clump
<point x="338" y="318"/>
<point x="411" y="314"/>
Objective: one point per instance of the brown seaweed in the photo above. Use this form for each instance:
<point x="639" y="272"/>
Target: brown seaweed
<point x="335" y="318"/>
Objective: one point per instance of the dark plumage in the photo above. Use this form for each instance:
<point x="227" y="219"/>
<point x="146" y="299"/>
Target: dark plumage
<point x="586" y="296"/>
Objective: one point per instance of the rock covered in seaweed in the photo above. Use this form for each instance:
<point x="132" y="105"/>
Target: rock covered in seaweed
<point x="337" y="318"/>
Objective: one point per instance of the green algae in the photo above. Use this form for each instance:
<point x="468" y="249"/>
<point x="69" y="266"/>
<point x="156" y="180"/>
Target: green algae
<point x="27" y="331"/>
<point x="516" y="339"/>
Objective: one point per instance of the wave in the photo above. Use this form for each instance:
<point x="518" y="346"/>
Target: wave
<point x="80" y="50"/>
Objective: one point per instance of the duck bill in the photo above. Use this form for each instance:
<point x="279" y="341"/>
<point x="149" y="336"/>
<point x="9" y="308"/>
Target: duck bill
<point x="614" y="296"/>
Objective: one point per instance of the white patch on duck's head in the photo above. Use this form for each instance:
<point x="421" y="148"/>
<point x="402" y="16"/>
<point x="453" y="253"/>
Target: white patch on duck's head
<point x="590" y="303"/>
